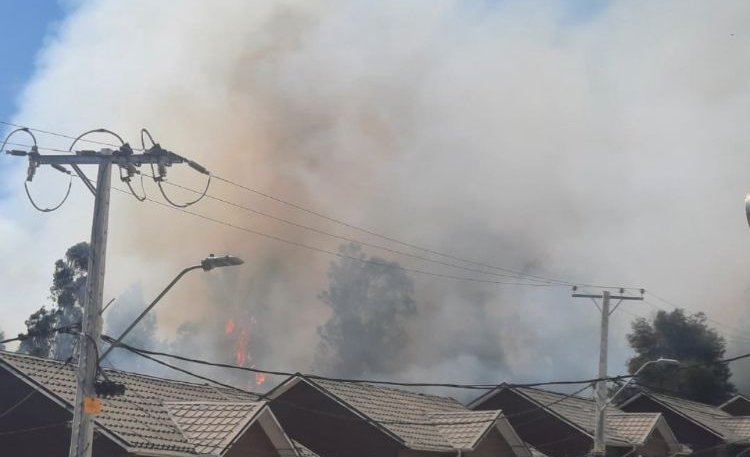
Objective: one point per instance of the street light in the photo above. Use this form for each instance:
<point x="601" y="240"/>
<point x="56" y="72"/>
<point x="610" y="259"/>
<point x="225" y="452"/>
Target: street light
<point x="207" y="264"/>
<point x="638" y="371"/>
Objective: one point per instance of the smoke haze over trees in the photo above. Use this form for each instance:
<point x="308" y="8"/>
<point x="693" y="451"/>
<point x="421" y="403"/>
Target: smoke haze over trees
<point x="534" y="136"/>
<point x="369" y="303"/>
<point x="698" y="348"/>
<point x="67" y="292"/>
<point x="118" y="317"/>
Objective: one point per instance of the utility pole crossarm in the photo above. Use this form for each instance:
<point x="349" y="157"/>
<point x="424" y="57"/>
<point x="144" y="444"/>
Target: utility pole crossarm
<point x="601" y="385"/>
<point x="87" y="405"/>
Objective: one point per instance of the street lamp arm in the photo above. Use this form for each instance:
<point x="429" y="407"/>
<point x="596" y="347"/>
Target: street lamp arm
<point x="146" y="311"/>
<point x="637" y="372"/>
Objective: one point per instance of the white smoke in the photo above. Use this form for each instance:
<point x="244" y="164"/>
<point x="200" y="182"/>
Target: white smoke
<point x="608" y="147"/>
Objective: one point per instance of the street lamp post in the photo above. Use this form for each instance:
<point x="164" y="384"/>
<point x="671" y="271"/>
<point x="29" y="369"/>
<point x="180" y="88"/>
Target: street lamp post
<point x="637" y="372"/>
<point x="207" y="264"/>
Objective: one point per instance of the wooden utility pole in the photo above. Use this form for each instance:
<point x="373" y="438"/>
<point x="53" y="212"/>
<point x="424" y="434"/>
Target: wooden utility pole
<point x="87" y="405"/>
<point x="601" y="384"/>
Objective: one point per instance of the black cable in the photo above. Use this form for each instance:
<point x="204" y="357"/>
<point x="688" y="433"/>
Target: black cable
<point x="184" y="205"/>
<point x="357" y="241"/>
<point x="61" y="135"/>
<point x="130" y="348"/>
<point x="34" y="429"/>
<point x="744" y="333"/>
<point x="519" y="274"/>
<point x="32" y="154"/>
<point x="52" y="376"/>
<point x="345" y="256"/>
<point x="410" y="245"/>
<point x="162" y="174"/>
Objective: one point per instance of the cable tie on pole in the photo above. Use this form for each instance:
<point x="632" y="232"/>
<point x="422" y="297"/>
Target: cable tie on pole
<point x="197" y="167"/>
<point x="60" y="168"/>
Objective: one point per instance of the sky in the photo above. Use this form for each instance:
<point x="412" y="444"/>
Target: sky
<point x="27" y="26"/>
<point x="602" y="142"/>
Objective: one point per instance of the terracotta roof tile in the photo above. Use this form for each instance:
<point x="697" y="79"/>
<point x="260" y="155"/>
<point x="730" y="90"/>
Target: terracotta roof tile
<point x="420" y="421"/>
<point x="138" y="418"/>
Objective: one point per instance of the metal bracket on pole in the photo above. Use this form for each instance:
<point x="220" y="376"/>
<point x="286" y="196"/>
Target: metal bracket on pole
<point x="601" y="385"/>
<point x="84" y="178"/>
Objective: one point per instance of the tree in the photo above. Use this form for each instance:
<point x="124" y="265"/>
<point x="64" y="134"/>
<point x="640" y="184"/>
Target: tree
<point x="369" y="300"/>
<point x="67" y="291"/>
<point x="701" y="376"/>
<point x="2" y="337"/>
<point x="118" y="317"/>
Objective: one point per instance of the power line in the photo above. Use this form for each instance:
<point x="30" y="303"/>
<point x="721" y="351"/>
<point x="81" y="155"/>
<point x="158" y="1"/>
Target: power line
<point x="142" y="351"/>
<point x="57" y="134"/>
<point x="341" y="255"/>
<point x="403" y="243"/>
<point x="517" y="273"/>
<point x="735" y="329"/>
<point x="321" y="412"/>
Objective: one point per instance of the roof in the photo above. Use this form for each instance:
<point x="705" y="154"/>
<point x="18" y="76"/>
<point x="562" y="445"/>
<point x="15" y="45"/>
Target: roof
<point x="212" y="426"/>
<point x="738" y="400"/>
<point x="153" y="413"/>
<point x="711" y="418"/>
<point x="634" y="427"/>
<point x="579" y="412"/>
<point x="623" y="428"/>
<point x="418" y="421"/>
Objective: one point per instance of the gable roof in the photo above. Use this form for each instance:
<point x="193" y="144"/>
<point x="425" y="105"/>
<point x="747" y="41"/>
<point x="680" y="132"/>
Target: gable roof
<point x="212" y="426"/>
<point x="623" y="429"/>
<point x="735" y="429"/>
<point x="153" y="414"/>
<point x="738" y="400"/>
<point x="415" y="420"/>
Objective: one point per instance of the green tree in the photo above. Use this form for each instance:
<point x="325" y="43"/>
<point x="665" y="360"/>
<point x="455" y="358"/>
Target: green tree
<point x="369" y="302"/>
<point x="67" y="291"/>
<point x="687" y="338"/>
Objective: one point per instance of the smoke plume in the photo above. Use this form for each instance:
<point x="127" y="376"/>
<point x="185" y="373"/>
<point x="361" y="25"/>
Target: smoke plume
<point x="604" y="145"/>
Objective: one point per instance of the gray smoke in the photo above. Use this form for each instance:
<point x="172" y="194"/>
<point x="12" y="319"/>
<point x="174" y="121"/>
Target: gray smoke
<point x="606" y="146"/>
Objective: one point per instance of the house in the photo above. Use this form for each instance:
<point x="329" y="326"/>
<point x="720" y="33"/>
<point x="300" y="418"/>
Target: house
<point x="739" y="405"/>
<point x="155" y="417"/>
<point x="707" y="429"/>
<point x="561" y="425"/>
<point x="344" y="419"/>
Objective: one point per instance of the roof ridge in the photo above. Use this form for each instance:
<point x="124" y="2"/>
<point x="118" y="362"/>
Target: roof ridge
<point x="214" y="402"/>
<point x="387" y="388"/>
<point x="108" y="370"/>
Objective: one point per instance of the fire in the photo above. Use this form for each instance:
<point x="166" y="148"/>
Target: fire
<point x="229" y="326"/>
<point x="240" y="346"/>
<point x="239" y="332"/>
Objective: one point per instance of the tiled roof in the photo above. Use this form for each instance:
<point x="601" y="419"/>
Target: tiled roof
<point x="720" y="422"/>
<point x="579" y="411"/>
<point x="463" y="429"/>
<point x="739" y="427"/>
<point x="138" y="418"/>
<point x="211" y="426"/>
<point x="420" y="421"/>
<point x="634" y="427"/>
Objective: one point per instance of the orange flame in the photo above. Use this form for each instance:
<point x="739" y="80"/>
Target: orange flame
<point x="260" y="379"/>
<point x="229" y="326"/>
